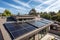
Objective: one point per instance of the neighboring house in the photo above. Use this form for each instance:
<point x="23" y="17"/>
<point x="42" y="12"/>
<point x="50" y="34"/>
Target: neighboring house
<point x="28" y="30"/>
<point x="22" y="18"/>
<point x="55" y="28"/>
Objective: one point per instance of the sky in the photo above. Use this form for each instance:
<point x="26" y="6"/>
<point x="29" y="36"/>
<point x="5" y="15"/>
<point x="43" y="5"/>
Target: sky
<point x="24" y="6"/>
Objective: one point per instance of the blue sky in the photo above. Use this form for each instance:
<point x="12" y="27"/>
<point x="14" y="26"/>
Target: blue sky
<point x="24" y="6"/>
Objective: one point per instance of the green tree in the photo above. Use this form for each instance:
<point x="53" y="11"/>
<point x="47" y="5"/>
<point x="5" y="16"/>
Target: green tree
<point x="52" y="13"/>
<point x="33" y="12"/>
<point x="54" y="17"/>
<point x="58" y="11"/>
<point x="6" y="13"/>
<point x="18" y="14"/>
<point x="58" y="16"/>
<point x="45" y="15"/>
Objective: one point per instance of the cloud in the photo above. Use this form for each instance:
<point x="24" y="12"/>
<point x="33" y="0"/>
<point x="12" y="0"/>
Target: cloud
<point x="2" y="9"/>
<point x="29" y="1"/>
<point x="16" y="7"/>
<point x="22" y="3"/>
<point x="40" y="1"/>
<point x="54" y="7"/>
<point x="45" y="5"/>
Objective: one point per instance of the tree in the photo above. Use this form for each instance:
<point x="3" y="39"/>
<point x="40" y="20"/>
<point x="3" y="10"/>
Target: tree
<point x="45" y="15"/>
<point x="6" y="13"/>
<point x="54" y="17"/>
<point x="58" y="16"/>
<point x="18" y="14"/>
<point x="33" y="12"/>
<point x="52" y="13"/>
<point x="59" y="11"/>
<point x="45" y="12"/>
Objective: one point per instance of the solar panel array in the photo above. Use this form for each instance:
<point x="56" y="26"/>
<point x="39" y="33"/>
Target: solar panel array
<point x="19" y="29"/>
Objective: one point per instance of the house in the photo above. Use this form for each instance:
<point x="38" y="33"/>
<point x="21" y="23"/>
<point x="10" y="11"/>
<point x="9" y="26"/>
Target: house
<point x="28" y="30"/>
<point x="55" y="28"/>
<point x="22" y="18"/>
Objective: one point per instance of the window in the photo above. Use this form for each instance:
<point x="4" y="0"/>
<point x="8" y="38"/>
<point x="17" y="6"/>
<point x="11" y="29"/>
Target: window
<point x="39" y="35"/>
<point x="32" y="38"/>
<point x="20" y="19"/>
<point x="51" y="27"/>
<point x="54" y="28"/>
<point x="42" y="33"/>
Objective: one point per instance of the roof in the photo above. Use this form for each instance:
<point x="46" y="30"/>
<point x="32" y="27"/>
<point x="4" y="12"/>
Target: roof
<point x="23" y="16"/>
<point x="21" y="30"/>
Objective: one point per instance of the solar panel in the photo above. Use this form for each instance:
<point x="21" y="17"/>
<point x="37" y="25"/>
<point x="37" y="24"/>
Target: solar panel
<point x="13" y="26"/>
<point x="45" y="21"/>
<point x="18" y="29"/>
<point x="18" y="33"/>
<point x="40" y="23"/>
<point x="37" y="23"/>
